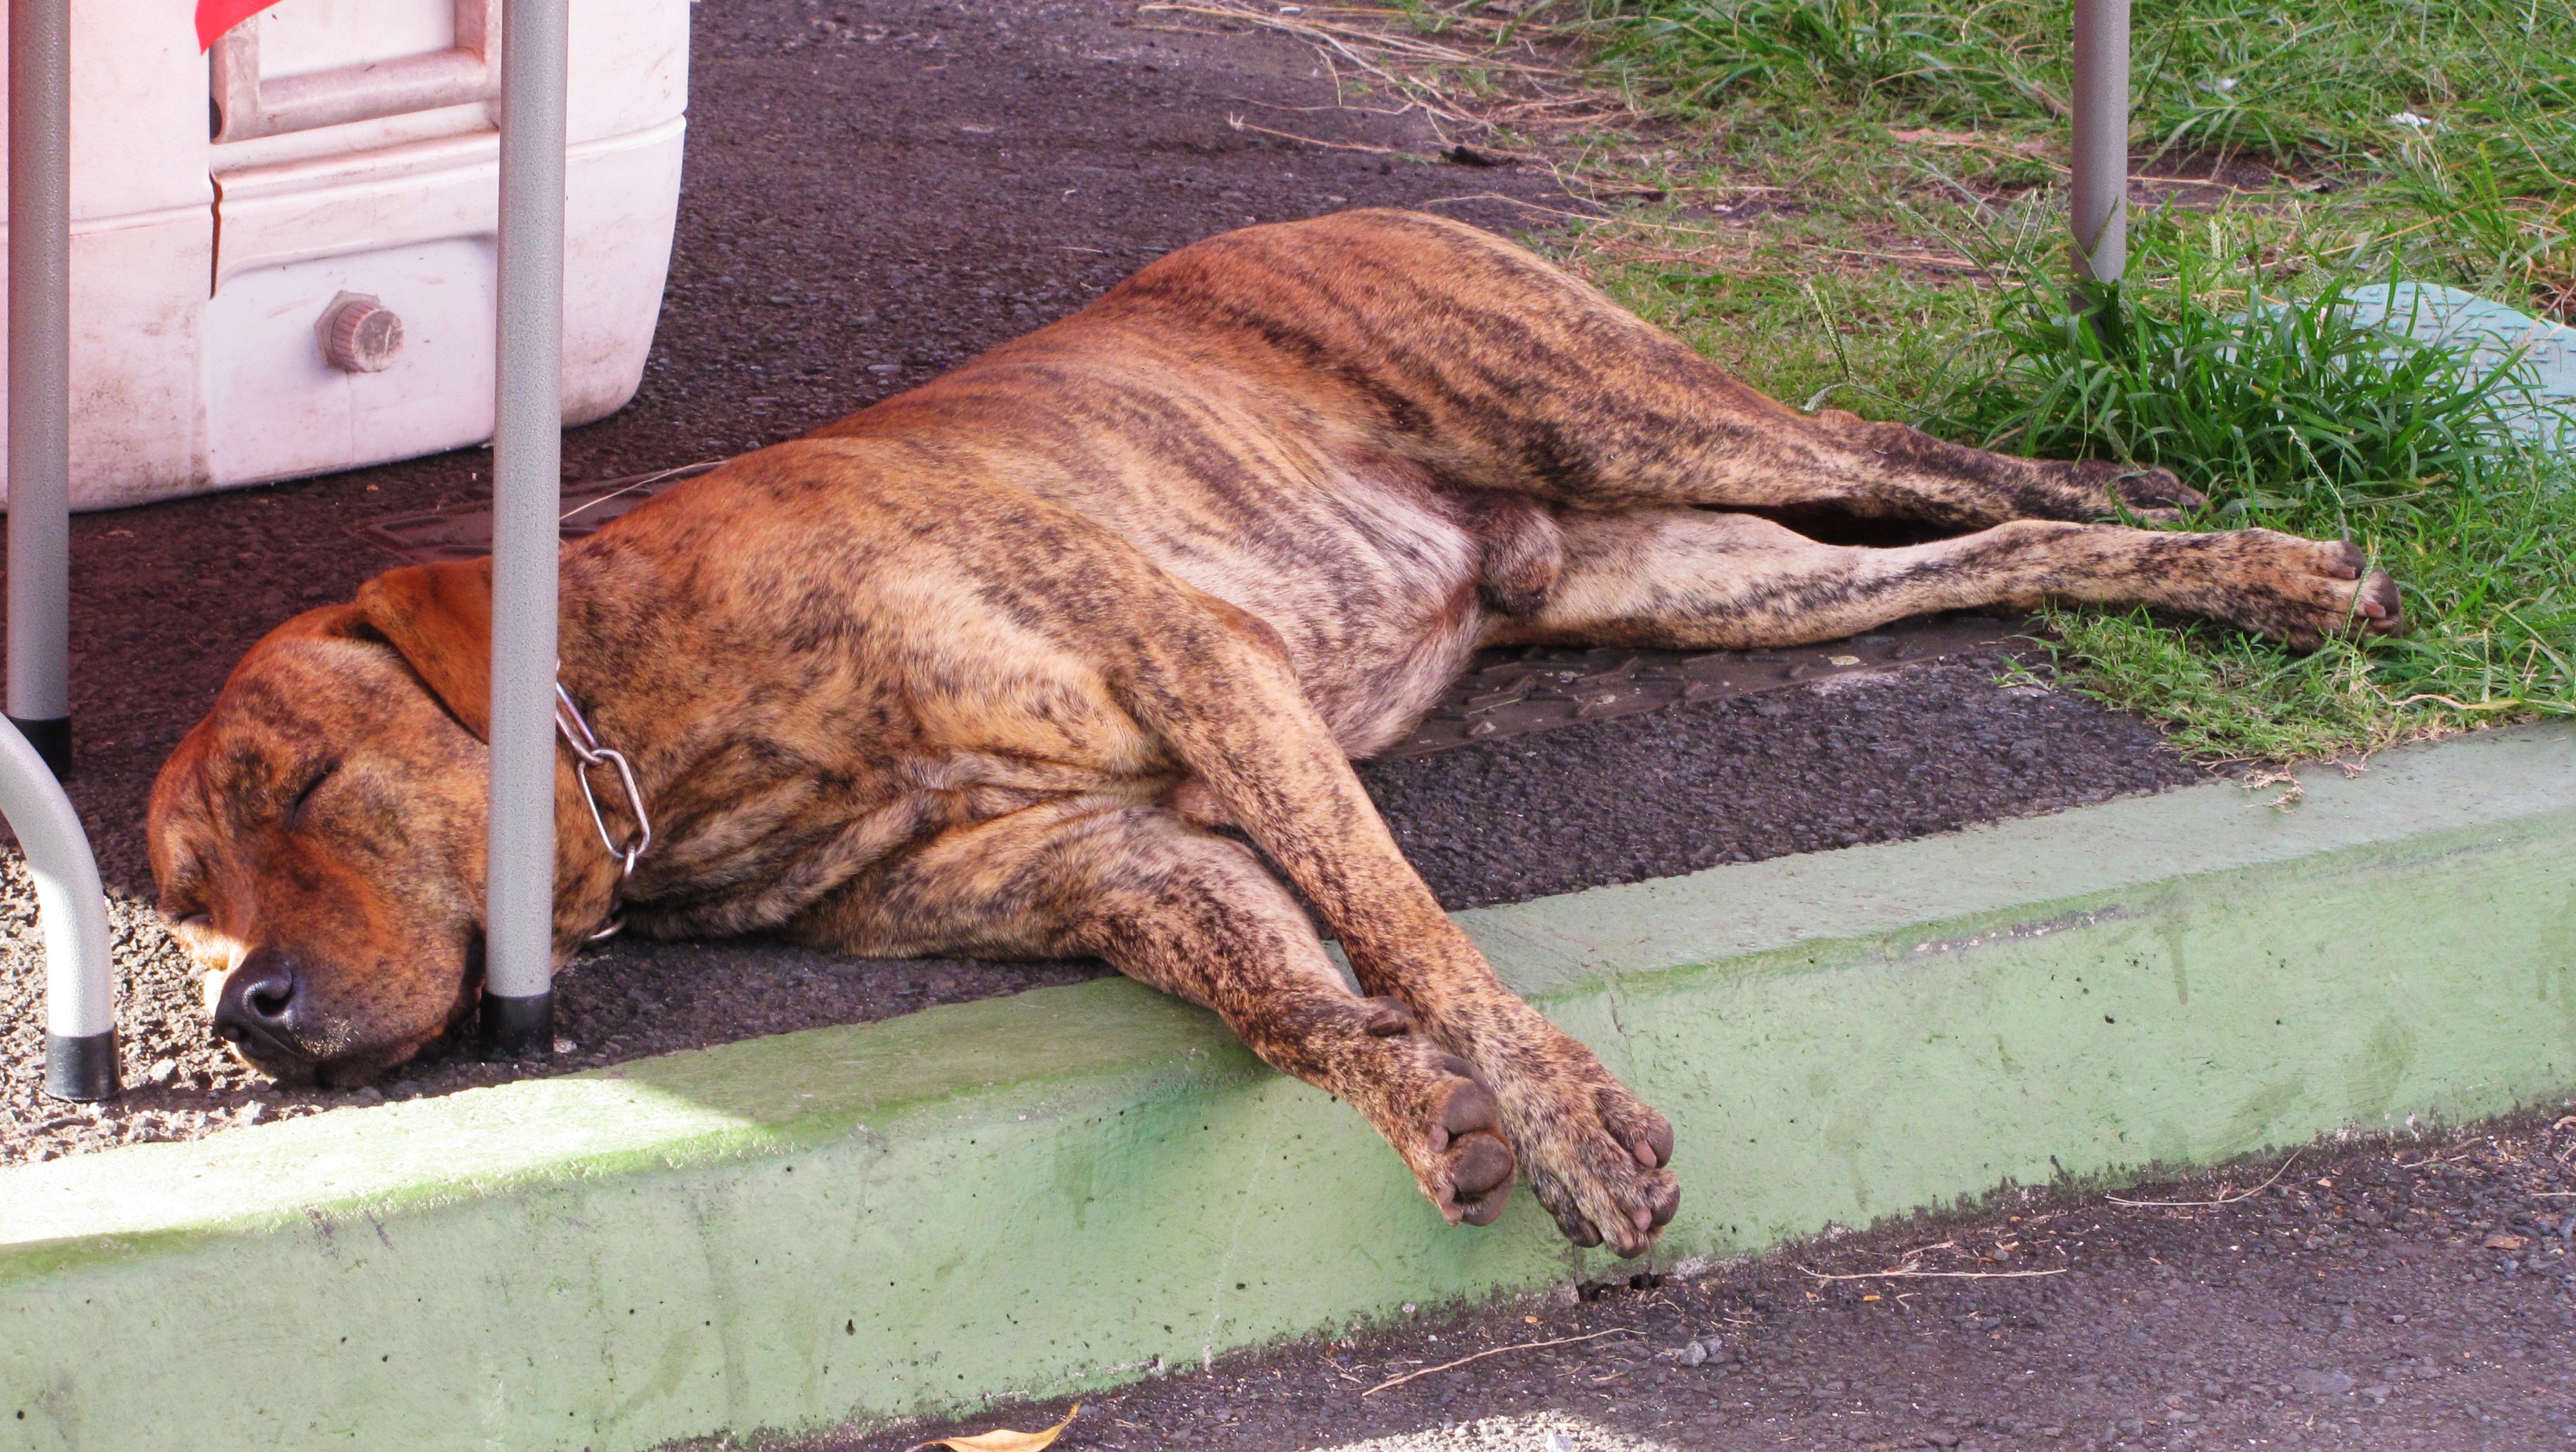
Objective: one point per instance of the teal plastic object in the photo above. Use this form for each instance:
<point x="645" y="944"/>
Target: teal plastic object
<point x="2490" y="333"/>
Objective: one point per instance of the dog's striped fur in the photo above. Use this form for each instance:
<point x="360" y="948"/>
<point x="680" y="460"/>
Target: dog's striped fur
<point x="974" y="670"/>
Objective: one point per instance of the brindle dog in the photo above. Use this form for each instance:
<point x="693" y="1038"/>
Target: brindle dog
<point x="976" y="670"/>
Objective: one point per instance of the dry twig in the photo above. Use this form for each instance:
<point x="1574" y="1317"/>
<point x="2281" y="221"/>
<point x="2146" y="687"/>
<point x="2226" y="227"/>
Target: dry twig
<point x="1381" y="45"/>
<point x="2295" y="793"/>
<point x="1491" y="1351"/>
<point x="1239" y="124"/>
<point x="1920" y="259"/>
<point x="644" y="482"/>
<point x="2224" y="1196"/>
<point x="1917" y="1273"/>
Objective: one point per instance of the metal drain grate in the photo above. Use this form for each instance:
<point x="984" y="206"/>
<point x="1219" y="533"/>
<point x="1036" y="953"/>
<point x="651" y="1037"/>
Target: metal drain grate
<point x="1506" y="692"/>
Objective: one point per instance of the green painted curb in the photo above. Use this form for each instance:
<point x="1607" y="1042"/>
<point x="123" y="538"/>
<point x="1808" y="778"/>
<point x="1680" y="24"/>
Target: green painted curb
<point x="1061" y="1189"/>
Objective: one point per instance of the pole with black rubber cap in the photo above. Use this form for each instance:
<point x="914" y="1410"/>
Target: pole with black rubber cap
<point x="2101" y="150"/>
<point x="40" y="334"/>
<point x="527" y="488"/>
<point x="80" y="988"/>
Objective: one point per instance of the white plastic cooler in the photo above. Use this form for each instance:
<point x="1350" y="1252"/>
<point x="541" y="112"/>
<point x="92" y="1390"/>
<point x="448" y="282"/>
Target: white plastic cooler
<point x="282" y="252"/>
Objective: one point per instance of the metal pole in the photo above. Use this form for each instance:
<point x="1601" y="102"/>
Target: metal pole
<point x="2101" y="182"/>
<point x="527" y="488"/>
<point x="80" y="992"/>
<point x="40" y="349"/>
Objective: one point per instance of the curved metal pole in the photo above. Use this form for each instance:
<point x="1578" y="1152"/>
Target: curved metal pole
<point x="40" y="333"/>
<point x="2101" y="143"/>
<point x="80" y="989"/>
<point x="527" y="490"/>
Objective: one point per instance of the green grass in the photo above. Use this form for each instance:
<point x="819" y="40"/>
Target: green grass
<point x="1782" y="249"/>
<point x="2292" y="415"/>
<point x="2287" y="80"/>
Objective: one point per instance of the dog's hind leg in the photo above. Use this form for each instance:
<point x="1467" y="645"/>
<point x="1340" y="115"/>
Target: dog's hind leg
<point x="1688" y="578"/>
<point x="1495" y="369"/>
<point x="1198" y="916"/>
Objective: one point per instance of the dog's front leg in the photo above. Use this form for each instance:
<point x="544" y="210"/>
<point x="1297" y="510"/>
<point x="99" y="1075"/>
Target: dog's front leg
<point x="1198" y="916"/>
<point x="1210" y="683"/>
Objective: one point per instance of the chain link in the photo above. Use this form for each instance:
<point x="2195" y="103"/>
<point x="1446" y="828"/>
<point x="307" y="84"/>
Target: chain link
<point x="585" y="745"/>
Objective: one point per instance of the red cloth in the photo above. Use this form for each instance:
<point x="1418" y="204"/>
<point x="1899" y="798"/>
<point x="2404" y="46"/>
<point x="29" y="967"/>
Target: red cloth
<point x="214" y="17"/>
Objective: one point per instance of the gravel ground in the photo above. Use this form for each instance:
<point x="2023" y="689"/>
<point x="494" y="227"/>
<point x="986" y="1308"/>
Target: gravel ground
<point x="2409" y="1294"/>
<point x="875" y="192"/>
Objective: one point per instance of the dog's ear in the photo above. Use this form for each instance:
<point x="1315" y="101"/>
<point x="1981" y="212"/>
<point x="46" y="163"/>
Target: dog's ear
<point x="439" y="619"/>
<point x="324" y="622"/>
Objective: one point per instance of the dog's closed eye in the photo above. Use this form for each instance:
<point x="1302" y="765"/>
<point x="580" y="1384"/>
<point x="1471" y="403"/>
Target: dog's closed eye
<point x="196" y="932"/>
<point x="303" y="799"/>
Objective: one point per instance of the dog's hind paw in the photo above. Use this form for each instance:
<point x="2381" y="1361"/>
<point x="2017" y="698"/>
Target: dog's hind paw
<point x="2300" y="591"/>
<point x="2156" y="494"/>
<point x="2105" y="491"/>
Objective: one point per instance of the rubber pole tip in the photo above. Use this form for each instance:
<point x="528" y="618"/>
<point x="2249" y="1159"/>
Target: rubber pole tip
<point x="519" y="1026"/>
<point x="52" y="740"/>
<point x="82" y="1068"/>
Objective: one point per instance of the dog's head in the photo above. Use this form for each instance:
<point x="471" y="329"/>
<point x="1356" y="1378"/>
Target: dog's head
<point x="319" y="837"/>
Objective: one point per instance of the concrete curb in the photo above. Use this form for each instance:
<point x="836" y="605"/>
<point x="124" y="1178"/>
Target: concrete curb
<point x="1066" y="1188"/>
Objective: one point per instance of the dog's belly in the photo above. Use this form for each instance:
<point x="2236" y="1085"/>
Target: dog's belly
<point x="1237" y="483"/>
<point x="1368" y="576"/>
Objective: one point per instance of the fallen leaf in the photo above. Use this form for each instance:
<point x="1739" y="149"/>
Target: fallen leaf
<point x="2502" y="1241"/>
<point x="1002" y="1441"/>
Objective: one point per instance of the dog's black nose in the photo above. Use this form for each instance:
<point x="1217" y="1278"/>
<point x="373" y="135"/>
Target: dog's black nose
<point x="258" y="1002"/>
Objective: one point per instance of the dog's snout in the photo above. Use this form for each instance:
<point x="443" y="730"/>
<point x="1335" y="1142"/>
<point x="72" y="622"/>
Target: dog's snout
<point x="258" y="1003"/>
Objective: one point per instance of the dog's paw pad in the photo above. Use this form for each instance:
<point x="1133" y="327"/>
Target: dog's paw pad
<point x="1648" y="1135"/>
<point x="1470" y="1177"/>
<point x="1388" y="1018"/>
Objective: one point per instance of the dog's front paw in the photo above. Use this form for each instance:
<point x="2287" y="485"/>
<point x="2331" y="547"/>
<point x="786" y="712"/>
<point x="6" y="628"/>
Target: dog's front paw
<point x="1439" y="1114"/>
<point x="1595" y="1154"/>
<point x="1471" y="1164"/>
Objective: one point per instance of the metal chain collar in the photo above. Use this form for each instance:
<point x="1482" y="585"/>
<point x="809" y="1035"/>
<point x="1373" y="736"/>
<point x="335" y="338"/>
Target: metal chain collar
<point x="577" y="734"/>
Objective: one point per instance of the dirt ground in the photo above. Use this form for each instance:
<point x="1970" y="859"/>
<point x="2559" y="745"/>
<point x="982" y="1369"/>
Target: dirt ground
<point x="2417" y="1293"/>
<point x="875" y="192"/>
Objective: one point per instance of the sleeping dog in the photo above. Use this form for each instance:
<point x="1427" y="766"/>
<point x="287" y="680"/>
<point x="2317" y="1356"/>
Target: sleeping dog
<point x="977" y="670"/>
